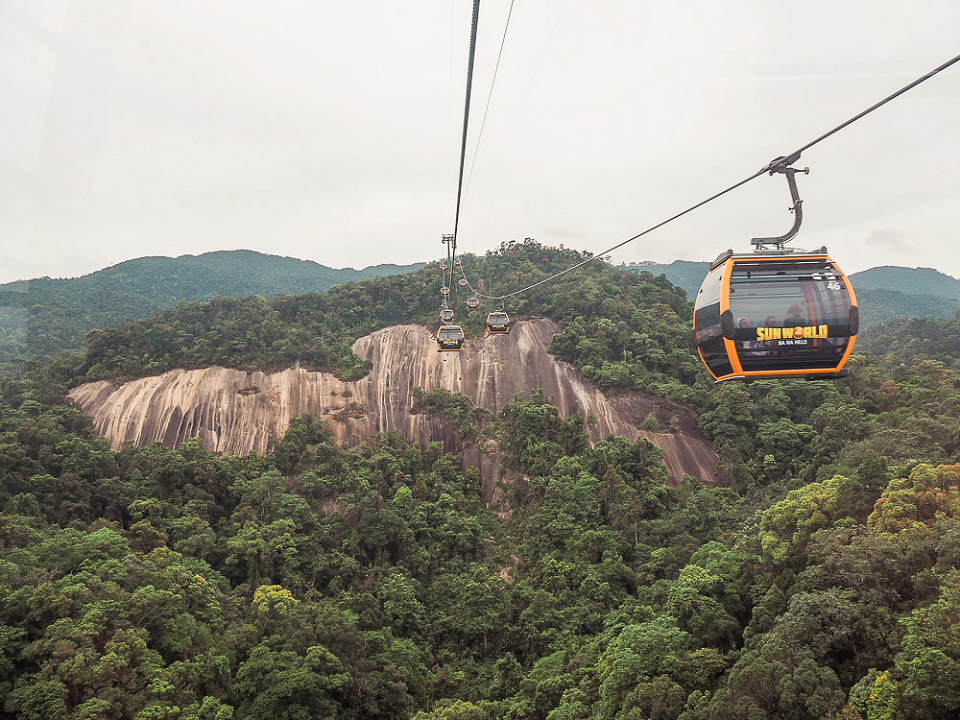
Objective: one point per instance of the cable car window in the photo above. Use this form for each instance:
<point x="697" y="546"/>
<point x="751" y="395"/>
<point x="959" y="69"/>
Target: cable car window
<point x="789" y="315"/>
<point x="708" y="333"/>
<point x="451" y="333"/>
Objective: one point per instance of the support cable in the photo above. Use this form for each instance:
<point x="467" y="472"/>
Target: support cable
<point x="776" y="165"/>
<point x="466" y="122"/>
<point x="621" y="244"/>
<point x="496" y="69"/>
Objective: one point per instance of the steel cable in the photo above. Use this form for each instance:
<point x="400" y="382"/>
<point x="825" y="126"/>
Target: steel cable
<point x="771" y="167"/>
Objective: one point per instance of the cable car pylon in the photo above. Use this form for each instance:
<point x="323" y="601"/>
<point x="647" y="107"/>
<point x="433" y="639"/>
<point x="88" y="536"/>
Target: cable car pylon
<point x="450" y="337"/>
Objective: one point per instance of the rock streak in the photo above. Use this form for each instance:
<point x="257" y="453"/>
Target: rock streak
<point x="234" y="412"/>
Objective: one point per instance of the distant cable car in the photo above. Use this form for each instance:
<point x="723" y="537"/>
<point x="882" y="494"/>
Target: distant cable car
<point x="775" y="313"/>
<point x="446" y="315"/>
<point x="443" y="265"/>
<point x="445" y="291"/>
<point x="449" y="338"/>
<point x="462" y="283"/>
<point x="457" y="262"/>
<point x="498" y="323"/>
<point x="473" y="303"/>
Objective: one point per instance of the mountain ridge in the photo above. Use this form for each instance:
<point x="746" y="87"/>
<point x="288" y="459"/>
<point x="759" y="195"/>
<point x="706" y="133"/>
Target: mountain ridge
<point x="203" y="259"/>
<point x="907" y="280"/>
<point x="43" y="316"/>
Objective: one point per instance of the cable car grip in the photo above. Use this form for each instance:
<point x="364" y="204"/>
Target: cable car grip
<point x="779" y="164"/>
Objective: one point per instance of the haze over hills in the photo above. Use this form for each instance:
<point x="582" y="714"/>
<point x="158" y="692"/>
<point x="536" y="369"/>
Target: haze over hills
<point x="883" y="293"/>
<point x="45" y="315"/>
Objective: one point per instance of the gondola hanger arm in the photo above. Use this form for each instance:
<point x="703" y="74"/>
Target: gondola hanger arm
<point x="780" y="165"/>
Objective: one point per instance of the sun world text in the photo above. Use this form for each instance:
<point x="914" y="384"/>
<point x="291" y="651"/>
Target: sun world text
<point x="776" y="333"/>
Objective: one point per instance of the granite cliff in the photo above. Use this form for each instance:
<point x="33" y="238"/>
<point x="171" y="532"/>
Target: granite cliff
<point x="234" y="412"/>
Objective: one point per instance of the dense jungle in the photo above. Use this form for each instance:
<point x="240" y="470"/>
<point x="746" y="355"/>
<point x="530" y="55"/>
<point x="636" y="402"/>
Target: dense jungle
<point x="821" y="580"/>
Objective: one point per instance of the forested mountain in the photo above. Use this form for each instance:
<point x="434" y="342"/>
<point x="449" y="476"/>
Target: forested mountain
<point x="319" y="581"/>
<point x="42" y="316"/>
<point x="643" y="321"/>
<point x="235" y="411"/>
<point x="883" y="293"/>
<point x="908" y="281"/>
<point x="879" y="306"/>
<point x="685" y="274"/>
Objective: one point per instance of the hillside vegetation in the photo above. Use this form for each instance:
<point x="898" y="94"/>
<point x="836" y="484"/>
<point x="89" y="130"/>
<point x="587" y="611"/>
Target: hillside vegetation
<point x="918" y="339"/>
<point x="318" y="581"/>
<point x="43" y="316"/>
<point x="620" y="328"/>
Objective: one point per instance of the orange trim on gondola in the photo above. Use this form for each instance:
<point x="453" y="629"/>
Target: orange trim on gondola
<point x="727" y="266"/>
<point x="729" y="345"/>
<point x="853" y="304"/>
<point x="450" y="344"/>
<point x="498" y="323"/>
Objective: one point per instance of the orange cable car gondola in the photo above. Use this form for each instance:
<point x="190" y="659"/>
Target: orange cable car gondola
<point x="772" y="316"/>
<point x="446" y="315"/>
<point x="498" y="323"/>
<point x="449" y="338"/>
<point x="776" y="313"/>
<point x="473" y="303"/>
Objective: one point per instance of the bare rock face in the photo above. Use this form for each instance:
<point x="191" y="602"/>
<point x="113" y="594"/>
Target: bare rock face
<point x="234" y="412"/>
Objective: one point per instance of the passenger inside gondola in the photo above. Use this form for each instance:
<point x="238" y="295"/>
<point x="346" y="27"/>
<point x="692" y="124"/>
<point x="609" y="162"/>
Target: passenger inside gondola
<point x="795" y="318"/>
<point x="770" y="345"/>
<point x="744" y="324"/>
<point x="752" y="347"/>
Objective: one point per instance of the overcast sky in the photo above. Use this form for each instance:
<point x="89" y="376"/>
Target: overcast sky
<point x="330" y="131"/>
